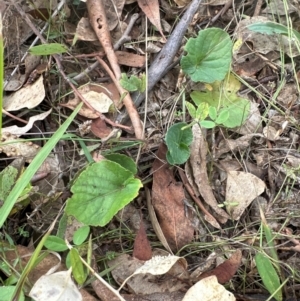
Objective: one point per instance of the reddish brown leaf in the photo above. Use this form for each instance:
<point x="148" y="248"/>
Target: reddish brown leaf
<point x="130" y="59"/>
<point x="99" y="128"/>
<point x="226" y="270"/>
<point x="167" y="198"/>
<point x="142" y="249"/>
<point x="151" y="10"/>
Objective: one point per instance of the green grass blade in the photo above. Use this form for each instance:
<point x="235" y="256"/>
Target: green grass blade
<point x="33" y="167"/>
<point x="268" y="275"/>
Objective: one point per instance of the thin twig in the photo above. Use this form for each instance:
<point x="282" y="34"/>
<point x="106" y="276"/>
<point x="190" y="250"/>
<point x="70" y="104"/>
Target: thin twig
<point x="14" y="117"/>
<point x="222" y="11"/>
<point x="132" y="112"/>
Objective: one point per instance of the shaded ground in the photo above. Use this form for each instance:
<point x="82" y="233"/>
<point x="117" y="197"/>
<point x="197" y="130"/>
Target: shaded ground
<point x="238" y="185"/>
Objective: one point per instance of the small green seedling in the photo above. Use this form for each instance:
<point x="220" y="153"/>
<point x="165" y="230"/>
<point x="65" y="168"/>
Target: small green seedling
<point x="223" y="105"/>
<point x="57" y="244"/>
<point x="178" y="139"/>
<point x="228" y="204"/>
<point x="133" y="83"/>
<point x="208" y="60"/>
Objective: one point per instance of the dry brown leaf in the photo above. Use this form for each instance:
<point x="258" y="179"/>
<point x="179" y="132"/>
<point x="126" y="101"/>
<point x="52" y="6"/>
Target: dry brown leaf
<point x="208" y="289"/>
<point x="31" y="62"/>
<point x="14" y="28"/>
<point x="99" y="128"/>
<point x="226" y="270"/>
<point x="155" y="224"/>
<point x="233" y="145"/>
<point x="167" y="198"/>
<point x="84" y="31"/>
<point x="151" y="9"/>
<point x="241" y="189"/>
<point x="113" y="11"/>
<point x="130" y="59"/>
<point x="142" y="248"/>
<point x="27" y="97"/>
<point x="23" y="254"/>
<point x="271" y="133"/>
<point x="198" y="164"/>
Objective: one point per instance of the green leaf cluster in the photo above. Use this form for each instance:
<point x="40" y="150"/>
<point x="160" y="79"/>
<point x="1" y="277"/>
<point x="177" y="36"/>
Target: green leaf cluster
<point x="221" y="103"/>
<point x="57" y="244"/>
<point x="133" y="83"/>
<point x="208" y="56"/>
<point x="178" y="139"/>
<point x="102" y="189"/>
<point x="48" y="49"/>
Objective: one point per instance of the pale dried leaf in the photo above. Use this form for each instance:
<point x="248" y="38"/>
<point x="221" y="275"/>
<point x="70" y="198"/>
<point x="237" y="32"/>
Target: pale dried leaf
<point x="241" y="189"/>
<point x="99" y="101"/>
<point x="113" y="10"/>
<point x="31" y="62"/>
<point x="27" y="97"/>
<point x="15" y="83"/>
<point x="233" y="145"/>
<point x="125" y="266"/>
<point x="270" y="133"/>
<point x="55" y="287"/>
<point x="151" y="10"/>
<point x="84" y="31"/>
<point x="158" y="265"/>
<point x="12" y="146"/>
<point x="208" y="289"/>
<point x="18" y="131"/>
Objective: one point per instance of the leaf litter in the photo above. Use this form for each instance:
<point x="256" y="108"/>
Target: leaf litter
<point x="231" y="173"/>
